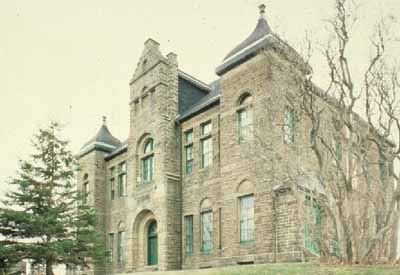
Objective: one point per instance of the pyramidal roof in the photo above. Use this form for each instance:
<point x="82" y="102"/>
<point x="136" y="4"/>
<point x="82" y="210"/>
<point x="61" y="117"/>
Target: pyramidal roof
<point x="262" y="29"/>
<point x="103" y="141"/>
<point x="248" y="48"/>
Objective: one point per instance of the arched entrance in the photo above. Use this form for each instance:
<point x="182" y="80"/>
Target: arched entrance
<point x="152" y="244"/>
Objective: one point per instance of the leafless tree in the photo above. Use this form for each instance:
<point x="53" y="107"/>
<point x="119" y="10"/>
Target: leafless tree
<point x="353" y="132"/>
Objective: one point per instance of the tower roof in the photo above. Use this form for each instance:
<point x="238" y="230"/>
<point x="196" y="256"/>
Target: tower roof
<point x="103" y="141"/>
<point x="262" y="29"/>
<point x="261" y="37"/>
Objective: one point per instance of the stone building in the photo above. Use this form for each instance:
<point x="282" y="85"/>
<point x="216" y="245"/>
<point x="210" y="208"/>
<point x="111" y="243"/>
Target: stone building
<point x="188" y="188"/>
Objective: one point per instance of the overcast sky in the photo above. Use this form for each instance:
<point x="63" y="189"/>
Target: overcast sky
<point x="72" y="60"/>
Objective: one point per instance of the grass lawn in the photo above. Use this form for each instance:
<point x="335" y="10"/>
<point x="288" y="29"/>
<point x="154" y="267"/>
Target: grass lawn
<point x="307" y="269"/>
<point x="286" y="269"/>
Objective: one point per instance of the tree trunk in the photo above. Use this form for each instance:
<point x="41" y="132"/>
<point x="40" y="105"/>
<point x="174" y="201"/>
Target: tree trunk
<point x="49" y="266"/>
<point x="349" y="250"/>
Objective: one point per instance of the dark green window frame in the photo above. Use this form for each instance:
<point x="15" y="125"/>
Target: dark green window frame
<point x="188" y="151"/>
<point x="206" y="145"/>
<point x="188" y="221"/>
<point x="122" y="179"/>
<point x="289" y="125"/>
<point x="312" y="225"/>
<point x="112" y="183"/>
<point x="206" y="128"/>
<point x="189" y="159"/>
<point x="148" y="162"/>
<point x="189" y="136"/>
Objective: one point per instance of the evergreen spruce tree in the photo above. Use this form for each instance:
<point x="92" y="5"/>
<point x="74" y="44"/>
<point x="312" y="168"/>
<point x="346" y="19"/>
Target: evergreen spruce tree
<point x="44" y="218"/>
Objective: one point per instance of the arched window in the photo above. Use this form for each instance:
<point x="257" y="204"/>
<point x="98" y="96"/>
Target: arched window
<point x="85" y="187"/>
<point x="246" y="211"/>
<point x="245" y="118"/>
<point x="147" y="161"/>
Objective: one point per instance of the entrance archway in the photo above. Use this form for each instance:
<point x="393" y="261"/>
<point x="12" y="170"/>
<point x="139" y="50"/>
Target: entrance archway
<point x="145" y="240"/>
<point x="152" y="244"/>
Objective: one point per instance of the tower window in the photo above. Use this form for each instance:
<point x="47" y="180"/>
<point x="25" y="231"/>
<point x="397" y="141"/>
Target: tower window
<point x="147" y="161"/>
<point x="245" y="119"/>
<point x="112" y="183"/>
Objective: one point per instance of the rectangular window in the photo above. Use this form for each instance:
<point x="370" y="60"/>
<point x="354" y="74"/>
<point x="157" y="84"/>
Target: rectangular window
<point x="206" y="231"/>
<point x="189" y="235"/>
<point x="289" y="125"/>
<point x="111" y="246"/>
<point x="122" y="179"/>
<point x="147" y="169"/>
<point x="206" y="129"/>
<point x="189" y="136"/>
<point x="112" y="183"/>
<point x="121" y="248"/>
<point x="206" y="149"/>
<point x="247" y="218"/>
<point x="188" y="159"/>
<point x="245" y="128"/>
<point x="188" y="150"/>
<point x="312" y="225"/>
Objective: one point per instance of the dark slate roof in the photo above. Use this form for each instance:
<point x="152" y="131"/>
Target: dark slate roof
<point x="261" y="37"/>
<point x="103" y="141"/>
<point x="197" y="82"/>
<point x="262" y="29"/>
<point x="207" y="101"/>
<point x="122" y="148"/>
<point x="190" y="91"/>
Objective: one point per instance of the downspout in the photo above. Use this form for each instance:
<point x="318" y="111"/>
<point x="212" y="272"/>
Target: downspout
<point x="275" y="225"/>
<point x="179" y="145"/>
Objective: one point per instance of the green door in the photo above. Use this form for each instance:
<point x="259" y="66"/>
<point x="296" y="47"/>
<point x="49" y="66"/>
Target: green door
<point x="152" y="258"/>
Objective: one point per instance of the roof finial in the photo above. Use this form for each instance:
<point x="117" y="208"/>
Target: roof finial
<point x="104" y="120"/>
<point x="262" y="10"/>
